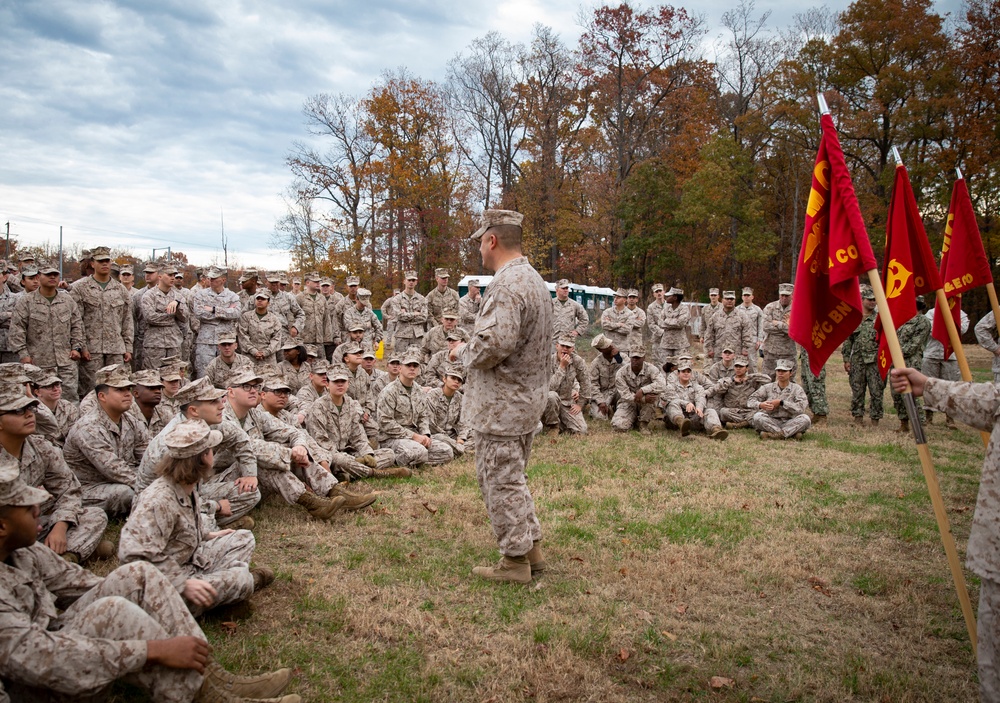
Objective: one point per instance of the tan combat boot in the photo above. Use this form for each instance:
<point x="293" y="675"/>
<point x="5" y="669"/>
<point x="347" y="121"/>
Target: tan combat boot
<point x="874" y="423"/>
<point x="904" y="427"/>
<point x="321" y="508"/>
<point x="859" y="420"/>
<point x="394" y="472"/>
<point x="263" y="577"/>
<point x="771" y="435"/>
<point x="352" y="501"/>
<point x="244" y="523"/>
<point x="105" y="550"/>
<point x="512" y="569"/>
<point x="684" y="427"/>
<point x="263" y="686"/>
<point x="535" y="559"/>
<point x="738" y="425"/>
<point x="644" y="428"/>
<point x="719" y="434"/>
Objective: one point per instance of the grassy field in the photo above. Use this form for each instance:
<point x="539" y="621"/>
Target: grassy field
<point x="678" y="570"/>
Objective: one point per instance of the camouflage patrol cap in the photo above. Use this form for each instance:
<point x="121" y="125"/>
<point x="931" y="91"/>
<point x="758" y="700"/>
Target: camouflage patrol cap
<point x="784" y="365"/>
<point x="147" y="378"/>
<point x="566" y="342"/>
<point x="319" y="367"/>
<point x="313" y="276"/>
<point x="116" y="376"/>
<point x="25" y="256"/>
<point x="496" y="218"/>
<point x="37" y="374"/>
<point x="338" y="372"/>
<point x="637" y="351"/>
<point x="275" y="382"/>
<point x="364" y="293"/>
<point x="13" y="490"/>
<point x="200" y="391"/>
<point x="785" y="289"/>
<point x="413" y="356"/>
<point x="442" y="273"/>
<point x="728" y="349"/>
<point x="101" y="254"/>
<point x="283" y="278"/>
<point x="684" y="356"/>
<point x="352" y="348"/>
<point x="684" y="366"/>
<point x="562" y="283"/>
<point x="394" y="358"/>
<point x="263" y="293"/>
<point x="115" y="267"/>
<point x="747" y="290"/>
<point x="14" y="372"/>
<point x="867" y="293"/>
<point x="312" y="351"/>
<point x="633" y="293"/>
<point x="178" y="274"/>
<point x="455" y="371"/>
<point x="450" y="313"/>
<point x="741" y="361"/>
<point x="713" y="291"/>
<point x="13" y="397"/>
<point x="297" y="280"/>
<point x="455" y="336"/>
<point x="600" y="342"/>
<point x="657" y="287"/>
<point x="168" y="270"/>
<point x="246" y="376"/>
<point x="356" y="280"/>
<point x="191" y="438"/>
<point x="216" y="272"/>
<point x="325" y="282"/>
<point x="227" y="338"/>
<point x="729" y="294"/>
<point x="272" y="276"/>
<point x="368" y="354"/>
<point x="47" y="267"/>
<point x="356" y="327"/>
<point x="473" y="282"/>
<point x="291" y="344"/>
<point x="675" y="291"/>
<point x="621" y="293"/>
<point x="411" y="275"/>
<point x="128" y="269"/>
<point x="30" y="270"/>
<point x="172" y="372"/>
<point x="150" y="268"/>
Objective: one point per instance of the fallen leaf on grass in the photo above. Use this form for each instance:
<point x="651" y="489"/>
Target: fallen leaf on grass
<point x="778" y="505"/>
<point x="745" y="506"/>
<point x="644" y="615"/>
<point x="229" y="627"/>
<point x="579" y="559"/>
<point x="624" y="654"/>
<point x="408" y="531"/>
<point x="669" y="635"/>
<point x="623" y="571"/>
<point x="681" y="609"/>
<point x="718" y="682"/>
<point x="900" y="495"/>
<point x="820" y="586"/>
<point x="430" y="507"/>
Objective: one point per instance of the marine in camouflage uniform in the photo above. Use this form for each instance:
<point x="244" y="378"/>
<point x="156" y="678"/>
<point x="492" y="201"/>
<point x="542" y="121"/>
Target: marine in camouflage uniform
<point x="105" y="446"/>
<point x="618" y="322"/>
<point x="286" y="307"/>
<point x="436" y="338"/>
<point x="731" y="394"/>
<point x="164" y="312"/>
<point x="653" y="312"/>
<point x="815" y="388"/>
<point x="42" y="466"/>
<point x="444" y="404"/>
<point x="728" y="327"/>
<point x="260" y="335"/>
<point x="913" y="336"/>
<point x="635" y="337"/>
<point x="7" y="300"/>
<point x="430" y="375"/>
<point x="313" y="304"/>
<point x="708" y="310"/>
<point x="106" y="310"/>
<point x="777" y="343"/>
<point x="860" y="350"/>
<point x="780" y="406"/>
<point x="640" y="385"/>
<point x="936" y="366"/>
<point x="569" y="319"/>
<point x="217" y="309"/>
<point x="684" y="406"/>
<point x="389" y="317"/>
<point x="364" y="318"/>
<point x="221" y="369"/>
<point x="673" y="323"/>
<point x="441" y="298"/>
<point x="61" y="414"/>
<point x="404" y="420"/>
<point x="411" y="316"/>
<point x="603" y="369"/>
<point x="986" y="335"/>
<point x="569" y="390"/>
<point x="468" y="307"/>
<point x="508" y="366"/>
<point x="49" y="333"/>
<point x="756" y="317"/>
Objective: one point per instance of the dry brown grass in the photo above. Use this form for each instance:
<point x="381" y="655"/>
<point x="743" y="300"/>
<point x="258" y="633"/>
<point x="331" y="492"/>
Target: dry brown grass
<point x="804" y="571"/>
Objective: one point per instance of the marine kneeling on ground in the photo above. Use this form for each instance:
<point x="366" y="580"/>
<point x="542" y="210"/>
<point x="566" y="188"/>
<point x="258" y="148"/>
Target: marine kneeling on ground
<point x="684" y="406"/>
<point x="732" y="393"/>
<point x="781" y="406"/>
<point x="639" y="385"/>
<point x="569" y="390"/>
<point x="131" y="624"/>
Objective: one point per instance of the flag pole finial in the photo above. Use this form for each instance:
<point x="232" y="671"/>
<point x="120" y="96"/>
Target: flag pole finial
<point x="958" y="172"/>
<point x="823" y="108"/>
<point x="895" y="154"/>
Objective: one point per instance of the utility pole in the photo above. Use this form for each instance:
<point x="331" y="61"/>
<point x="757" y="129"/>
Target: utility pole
<point x="60" y="254"/>
<point x="7" y="256"/>
<point x="225" y="244"/>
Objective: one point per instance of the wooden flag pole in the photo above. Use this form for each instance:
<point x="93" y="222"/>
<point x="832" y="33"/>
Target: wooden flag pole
<point x="947" y="539"/>
<point x="991" y="292"/>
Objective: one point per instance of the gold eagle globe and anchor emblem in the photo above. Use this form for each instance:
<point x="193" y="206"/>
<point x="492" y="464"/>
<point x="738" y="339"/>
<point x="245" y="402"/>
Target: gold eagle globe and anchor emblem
<point x="898" y="277"/>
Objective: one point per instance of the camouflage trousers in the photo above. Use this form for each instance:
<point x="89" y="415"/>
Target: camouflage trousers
<point x="88" y="370"/>
<point x="661" y="354"/>
<point x="595" y="409"/>
<point x="734" y="415"/>
<point x="112" y="498"/>
<point x="771" y="359"/>
<point x="815" y="388"/>
<point x="988" y="640"/>
<point x="939" y="368"/>
<point x="134" y="603"/>
<point x="401" y="344"/>
<point x="865" y="377"/>
<point x="627" y="413"/>
<point x="347" y="465"/>
<point x="500" y="470"/>
<point x="897" y="398"/>
<point x="410" y="453"/>
<point x="203" y="355"/>
<point x="69" y="376"/>
<point x="765" y="422"/>
<point x="83" y="537"/>
<point x="457" y="449"/>
<point x="222" y="486"/>
<point x="290" y="485"/>
<point x="225" y="563"/>
<point x="152" y="357"/>
<point x="709" y="422"/>
<point x="558" y="415"/>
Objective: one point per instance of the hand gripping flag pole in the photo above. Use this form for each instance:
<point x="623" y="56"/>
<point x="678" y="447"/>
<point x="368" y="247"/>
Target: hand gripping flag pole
<point x="835" y="251"/>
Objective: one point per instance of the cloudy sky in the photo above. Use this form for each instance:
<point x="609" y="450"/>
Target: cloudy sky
<point x="143" y="123"/>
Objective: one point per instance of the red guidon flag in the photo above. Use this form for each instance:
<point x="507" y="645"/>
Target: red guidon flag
<point x="908" y="268"/>
<point x="964" y="265"/>
<point x="826" y="306"/>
